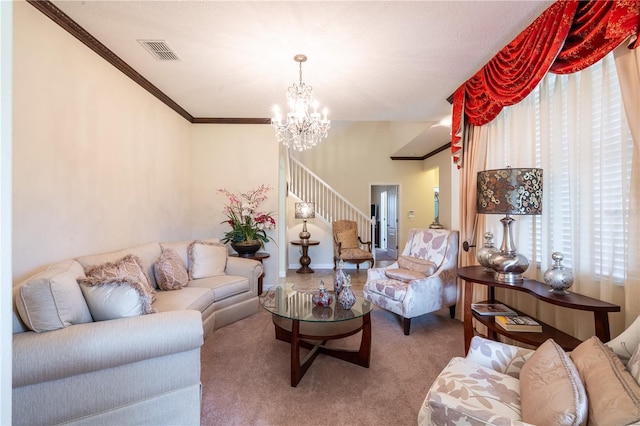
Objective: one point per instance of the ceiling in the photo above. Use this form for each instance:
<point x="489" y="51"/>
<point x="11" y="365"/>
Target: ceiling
<point x="367" y="60"/>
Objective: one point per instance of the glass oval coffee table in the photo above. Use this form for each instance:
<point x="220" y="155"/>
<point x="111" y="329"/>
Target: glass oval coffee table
<point x="298" y="322"/>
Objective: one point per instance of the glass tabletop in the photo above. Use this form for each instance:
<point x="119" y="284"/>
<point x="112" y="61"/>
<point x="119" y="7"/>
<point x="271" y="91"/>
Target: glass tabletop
<point x="287" y="302"/>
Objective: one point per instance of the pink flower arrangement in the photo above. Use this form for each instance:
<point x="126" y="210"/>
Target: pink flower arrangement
<point x="246" y="221"/>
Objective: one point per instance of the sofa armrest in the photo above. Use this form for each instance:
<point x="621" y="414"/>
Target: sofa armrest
<point x="251" y="269"/>
<point x="83" y="348"/>
<point x="498" y="356"/>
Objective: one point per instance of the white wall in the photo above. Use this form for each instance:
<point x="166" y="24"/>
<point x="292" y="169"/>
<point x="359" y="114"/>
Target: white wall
<point x="238" y="158"/>
<point x="98" y="163"/>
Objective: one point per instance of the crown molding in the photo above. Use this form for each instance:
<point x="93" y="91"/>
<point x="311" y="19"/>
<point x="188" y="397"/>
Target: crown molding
<point x="73" y="28"/>
<point x="424" y="157"/>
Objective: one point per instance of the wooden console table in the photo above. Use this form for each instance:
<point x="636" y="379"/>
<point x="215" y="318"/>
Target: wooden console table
<point x="477" y="275"/>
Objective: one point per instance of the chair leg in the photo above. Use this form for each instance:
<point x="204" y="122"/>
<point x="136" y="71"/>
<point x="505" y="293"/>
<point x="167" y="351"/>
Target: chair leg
<point x="406" y="325"/>
<point x="452" y="311"/>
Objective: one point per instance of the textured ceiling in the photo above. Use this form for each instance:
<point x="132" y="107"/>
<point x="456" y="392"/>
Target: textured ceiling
<point x="368" y="60"/>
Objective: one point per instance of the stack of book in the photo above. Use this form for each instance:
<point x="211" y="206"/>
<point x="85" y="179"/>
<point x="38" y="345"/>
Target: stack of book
<point x="492" y="309"/>
<point x="519" y="323"/>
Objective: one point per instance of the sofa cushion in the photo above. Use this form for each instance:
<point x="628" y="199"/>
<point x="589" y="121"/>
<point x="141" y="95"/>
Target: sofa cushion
<point x="428" y="244"/>
<point x="147" y="253"/>
<point x="170" y="271"/>
<point x="465" y="390"/>
<point x="115" y="297"/>
<point x="551" y="392"/>
<point x="404" y="275"/>
<point x="614" y="396"/>
<point x="194" y="298"/>
<point x="416" y="264"/>
<point x="223" y="286"/>
<point x="206" y="259"/>
<point x="393" y="289"/>
<point x="52" y="299"/>
<point x="348" y="238"/>
<point x="129" y="266"/>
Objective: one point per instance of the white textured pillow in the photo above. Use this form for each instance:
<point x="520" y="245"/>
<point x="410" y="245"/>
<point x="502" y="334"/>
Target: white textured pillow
<point x="112" y="298"/>
<point x="626" y="343"/>
<point x="633" y="366"/>
<point x="52" y="299"/>
<point x="551" y="392"/>
<point x="206" y="259"/>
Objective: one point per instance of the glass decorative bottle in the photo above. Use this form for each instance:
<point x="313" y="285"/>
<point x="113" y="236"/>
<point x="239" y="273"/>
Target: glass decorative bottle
<point x="347" y="299"/>
<point x="322" y="297"/>
<point x="338" y="279"/>
<point x="486" y="252"/>
<point x="558" y="277"/>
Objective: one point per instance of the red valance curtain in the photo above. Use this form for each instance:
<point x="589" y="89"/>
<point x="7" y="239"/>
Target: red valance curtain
<point x="569" y="36"/>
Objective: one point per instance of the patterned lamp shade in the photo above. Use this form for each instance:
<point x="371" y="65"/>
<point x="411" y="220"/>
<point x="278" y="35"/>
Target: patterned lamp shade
<point x="305" y="210"/>
<point x="510" y="191"/>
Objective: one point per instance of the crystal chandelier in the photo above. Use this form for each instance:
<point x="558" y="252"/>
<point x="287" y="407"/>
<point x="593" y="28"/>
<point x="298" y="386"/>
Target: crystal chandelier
<point x="304" y="126"/>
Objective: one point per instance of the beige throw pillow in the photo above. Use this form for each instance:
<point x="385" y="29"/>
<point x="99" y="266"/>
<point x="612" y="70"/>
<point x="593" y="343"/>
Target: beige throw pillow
<point x="404" y="275"/>
<point x="348" y="238"/>
<point x="112" y="298"/>
<point x="416" y="264"/>
<point x="614" y="396"/>
<point x="52" y="299"/>
<point x="129" y="266"/>
<point x="170" y="271"/>
<point x="551" y="392"/>
<point x="206" y="259"/>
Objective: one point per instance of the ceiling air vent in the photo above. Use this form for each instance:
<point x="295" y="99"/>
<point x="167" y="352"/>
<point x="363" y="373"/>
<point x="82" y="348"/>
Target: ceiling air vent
<point x="159" y="49"/>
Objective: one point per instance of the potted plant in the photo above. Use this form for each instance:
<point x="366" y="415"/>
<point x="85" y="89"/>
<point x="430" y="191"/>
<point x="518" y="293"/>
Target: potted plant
<point x="248" y="224"/>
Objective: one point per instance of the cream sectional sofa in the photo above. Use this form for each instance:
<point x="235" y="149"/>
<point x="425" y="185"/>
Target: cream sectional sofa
<point x="141" y="369"/>
<point x="500" y="384"/>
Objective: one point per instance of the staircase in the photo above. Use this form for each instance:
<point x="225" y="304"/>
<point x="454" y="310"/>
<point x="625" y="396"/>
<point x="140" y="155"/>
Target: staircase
<point x="330" y="205"/>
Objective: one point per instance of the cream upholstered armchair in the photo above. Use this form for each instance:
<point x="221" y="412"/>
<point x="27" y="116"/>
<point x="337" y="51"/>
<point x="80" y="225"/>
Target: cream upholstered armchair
<point x="423" y="279"/>
<point x="347" y="245"/>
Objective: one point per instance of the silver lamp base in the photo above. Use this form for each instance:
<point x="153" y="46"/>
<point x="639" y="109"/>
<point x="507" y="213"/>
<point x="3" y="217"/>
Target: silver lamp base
<point x="507" y="263"/>
<point x="304" y="234"/>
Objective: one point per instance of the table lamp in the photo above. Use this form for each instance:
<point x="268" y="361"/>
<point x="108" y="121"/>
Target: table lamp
<point x="305" y="211"/>
<point x="509" y="192"/>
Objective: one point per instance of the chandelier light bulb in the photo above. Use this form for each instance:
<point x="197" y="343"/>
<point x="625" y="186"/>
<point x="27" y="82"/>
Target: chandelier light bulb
<point x="303" y="128"/>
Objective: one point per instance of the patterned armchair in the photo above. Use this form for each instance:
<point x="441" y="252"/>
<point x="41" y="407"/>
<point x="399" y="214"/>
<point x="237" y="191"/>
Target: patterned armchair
<point x="347" y="244"/>
<point x="422" y="281"/>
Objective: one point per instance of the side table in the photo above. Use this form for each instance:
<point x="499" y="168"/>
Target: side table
<point x="305" y="260"/>
<point x="259" y="256"/>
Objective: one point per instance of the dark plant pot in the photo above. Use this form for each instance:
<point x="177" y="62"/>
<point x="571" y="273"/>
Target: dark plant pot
<point x="246" y="248"/>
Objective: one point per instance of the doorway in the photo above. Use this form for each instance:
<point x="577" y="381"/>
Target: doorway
<point x="384" y="212"/>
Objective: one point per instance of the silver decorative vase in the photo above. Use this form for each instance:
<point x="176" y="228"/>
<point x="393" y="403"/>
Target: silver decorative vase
<point x="486" y="252"/>
<point x="558" y="277"/>
<point x="347" y="299"/>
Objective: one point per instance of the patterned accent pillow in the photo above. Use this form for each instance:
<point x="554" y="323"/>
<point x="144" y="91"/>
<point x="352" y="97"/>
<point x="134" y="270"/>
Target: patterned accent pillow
<point x="112" y="298"/>
<point x="551" y="392"/>
<point x="625" y="344"/>
<point x="206" y="259"/>
<point x="633" y="366"/>
<point x="404" y="275"/>
<point x="170" y="271"/>
<point x="614" y="395"/>
<point x="348" y="238"/>
<point x="129" y="266"/>
<point x="416" y="264"/>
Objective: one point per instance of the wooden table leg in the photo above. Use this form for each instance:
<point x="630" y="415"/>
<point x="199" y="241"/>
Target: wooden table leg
<point x="601" y="322"/>
<point x="468" y="316"/>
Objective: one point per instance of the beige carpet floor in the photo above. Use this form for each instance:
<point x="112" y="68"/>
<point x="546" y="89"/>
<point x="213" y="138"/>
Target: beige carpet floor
<point x="246" y="374"/>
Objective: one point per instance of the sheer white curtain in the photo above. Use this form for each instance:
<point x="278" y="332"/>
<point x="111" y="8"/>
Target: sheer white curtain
<point x="574" y="128"/>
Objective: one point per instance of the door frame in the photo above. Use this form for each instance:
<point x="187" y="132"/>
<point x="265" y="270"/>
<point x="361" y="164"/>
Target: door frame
<point x="374" y="190"/>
